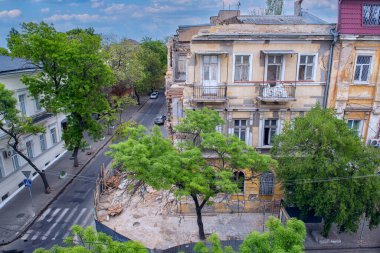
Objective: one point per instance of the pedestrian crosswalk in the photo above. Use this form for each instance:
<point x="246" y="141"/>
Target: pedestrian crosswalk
<point x="55" y="223"/>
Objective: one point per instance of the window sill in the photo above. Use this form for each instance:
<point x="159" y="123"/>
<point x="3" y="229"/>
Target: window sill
<point x="360" y="83"/>
<point x="264" y="147"/>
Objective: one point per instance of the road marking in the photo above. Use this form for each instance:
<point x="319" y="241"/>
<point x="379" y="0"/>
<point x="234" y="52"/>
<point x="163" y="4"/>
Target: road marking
<point x="54" y="214"/>
<point x="43" y="216"/>
<point x="66" y="226"/>
<point x="85" y="221"/>
<point x="46" y="235"/>
<point x="26" y="235"/>
<point x="78" y="217"/>
<point x="35" y="236"/>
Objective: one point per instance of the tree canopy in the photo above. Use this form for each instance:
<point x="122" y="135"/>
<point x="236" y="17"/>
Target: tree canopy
<point x="87" y="240"/>
<point x="138" y="66"/>
<point x="152" y="160"/>
<point x="279" y="238"/>
<point x="4" y="51"/>
<point x="326" y="170"/>
<point x="72" y="79"/>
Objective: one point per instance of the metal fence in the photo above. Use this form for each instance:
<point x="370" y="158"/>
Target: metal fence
<point x="209" y="92"/>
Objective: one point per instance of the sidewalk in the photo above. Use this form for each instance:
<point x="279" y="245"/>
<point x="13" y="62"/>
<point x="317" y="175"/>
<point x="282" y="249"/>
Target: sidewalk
<point x="20" y="213"/>
<point x="363" y="238"/>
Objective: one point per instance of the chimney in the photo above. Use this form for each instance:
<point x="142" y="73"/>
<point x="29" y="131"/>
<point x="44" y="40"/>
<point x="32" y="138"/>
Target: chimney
<point x="298" y="8"/>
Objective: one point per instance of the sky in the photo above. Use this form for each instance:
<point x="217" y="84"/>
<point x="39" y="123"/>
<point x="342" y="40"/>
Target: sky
<point x="134" y="19"/>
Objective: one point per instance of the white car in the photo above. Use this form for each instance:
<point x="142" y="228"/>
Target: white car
<point x="154" y="95"/>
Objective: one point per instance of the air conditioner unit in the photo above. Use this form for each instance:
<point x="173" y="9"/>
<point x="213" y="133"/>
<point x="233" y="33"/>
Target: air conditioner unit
<point x="374" y="143"/>
<point x="7" y="153"/>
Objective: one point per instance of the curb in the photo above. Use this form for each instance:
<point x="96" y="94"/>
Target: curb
<point x="25" y="228"/>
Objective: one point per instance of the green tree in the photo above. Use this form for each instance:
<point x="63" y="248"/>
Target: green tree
<point x="4" y="51"/>
<point x="72" y="80"/>
<point x="87" y="240"/>
<point x="274" y="7"/>
<point x="15" y="125"/>
<point x="124" y="59"/>
<point x="288" y="238"/>
<point x="326" y="170"/>
<point x="153" y="160"/>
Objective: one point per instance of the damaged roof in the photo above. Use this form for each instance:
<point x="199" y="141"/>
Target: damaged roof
<point x="305" y="19"/>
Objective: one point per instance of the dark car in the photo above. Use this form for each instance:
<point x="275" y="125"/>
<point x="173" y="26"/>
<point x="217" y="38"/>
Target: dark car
<point x="160" y="120"/>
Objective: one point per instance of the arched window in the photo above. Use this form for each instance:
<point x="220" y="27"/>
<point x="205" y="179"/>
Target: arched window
<point x="267" y="183"/>
<point x="239" y="177"/>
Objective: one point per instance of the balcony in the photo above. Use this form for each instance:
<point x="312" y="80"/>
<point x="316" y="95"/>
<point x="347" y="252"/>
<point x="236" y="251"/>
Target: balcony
<point x="209" y="93"/>
<point x="277" y="92"/>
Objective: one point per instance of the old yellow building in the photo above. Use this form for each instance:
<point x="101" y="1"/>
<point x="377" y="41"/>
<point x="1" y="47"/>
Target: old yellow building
<point x="259" y="73"/>
<point x="355" y="78"/>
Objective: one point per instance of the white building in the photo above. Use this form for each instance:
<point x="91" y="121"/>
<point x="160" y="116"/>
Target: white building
<point x="42" y="148"/>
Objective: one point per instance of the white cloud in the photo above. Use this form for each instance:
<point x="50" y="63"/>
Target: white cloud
<point x="320" y="4"/>
<point x="10" y="14"/>
<point x="96" y="3"/>
<point x="45" y="10"/>
<point x="77" y="17"/>
<point x="120" y="8"/>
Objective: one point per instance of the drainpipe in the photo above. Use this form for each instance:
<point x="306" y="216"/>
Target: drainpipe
<point x="335" y="34"/>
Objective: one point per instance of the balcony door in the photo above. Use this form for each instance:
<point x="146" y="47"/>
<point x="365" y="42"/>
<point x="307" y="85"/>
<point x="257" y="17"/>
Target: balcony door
<point x="210" y="73"/>
<point x="274" y="71"/>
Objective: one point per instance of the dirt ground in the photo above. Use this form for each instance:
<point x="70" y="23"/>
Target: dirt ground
<point x="157" y="224"/>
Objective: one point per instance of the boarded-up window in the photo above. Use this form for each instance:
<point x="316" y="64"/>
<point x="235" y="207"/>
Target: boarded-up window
<point x="182" y="64"/>
<point x="267" y="184"/>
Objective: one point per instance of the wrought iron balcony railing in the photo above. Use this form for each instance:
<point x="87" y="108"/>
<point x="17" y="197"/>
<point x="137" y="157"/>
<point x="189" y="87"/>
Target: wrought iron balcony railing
<point x="210" y="93"/>
<point x="278" y="92"/>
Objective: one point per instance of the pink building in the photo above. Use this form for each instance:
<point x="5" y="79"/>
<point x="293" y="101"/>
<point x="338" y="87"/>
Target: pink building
<point x="359" y="17"/>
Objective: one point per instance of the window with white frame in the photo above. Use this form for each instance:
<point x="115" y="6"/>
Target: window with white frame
<point x="15" y="160"/>
<point x="306" y="67"/>
<point x="274" y="67"/>
<point x="242" y="67"/>
<point x="239" y="177"/>
<point x="53" y="135"/>
<point x="29" y="149"/>
<point x="181" y="68"/>
<point x="362" y="68"/>
<point x="240" y="128"/>
<point x="210" y="69"/>
<point x="371" y="14"/>
<point x="270" y="129"/>
<point x="21" y="100"/>
<point x="355" y="125"/>
<point x="43" y="145"/>
<point x="267" y="184"/>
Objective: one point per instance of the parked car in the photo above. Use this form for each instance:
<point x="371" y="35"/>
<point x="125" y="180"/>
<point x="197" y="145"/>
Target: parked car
<point x="154" y="95"/>
<point x="160" y="120"/>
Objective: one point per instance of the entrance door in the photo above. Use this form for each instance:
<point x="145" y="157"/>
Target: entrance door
<point x="210" y="74"/>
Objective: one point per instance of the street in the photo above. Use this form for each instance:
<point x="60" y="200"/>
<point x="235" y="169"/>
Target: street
<point x="75" y="204"/>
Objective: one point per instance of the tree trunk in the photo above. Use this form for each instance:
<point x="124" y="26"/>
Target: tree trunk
<point x="14" y="147"/>
<point x="198" y="209"/>
<point x="75" y="156"/>
<point x="326" y="228"/>
<point x="137" y="98"/>
<point x="41" y="173"/>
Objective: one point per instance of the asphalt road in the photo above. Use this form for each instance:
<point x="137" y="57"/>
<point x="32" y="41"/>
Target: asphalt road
<point x="75" y="204"/>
